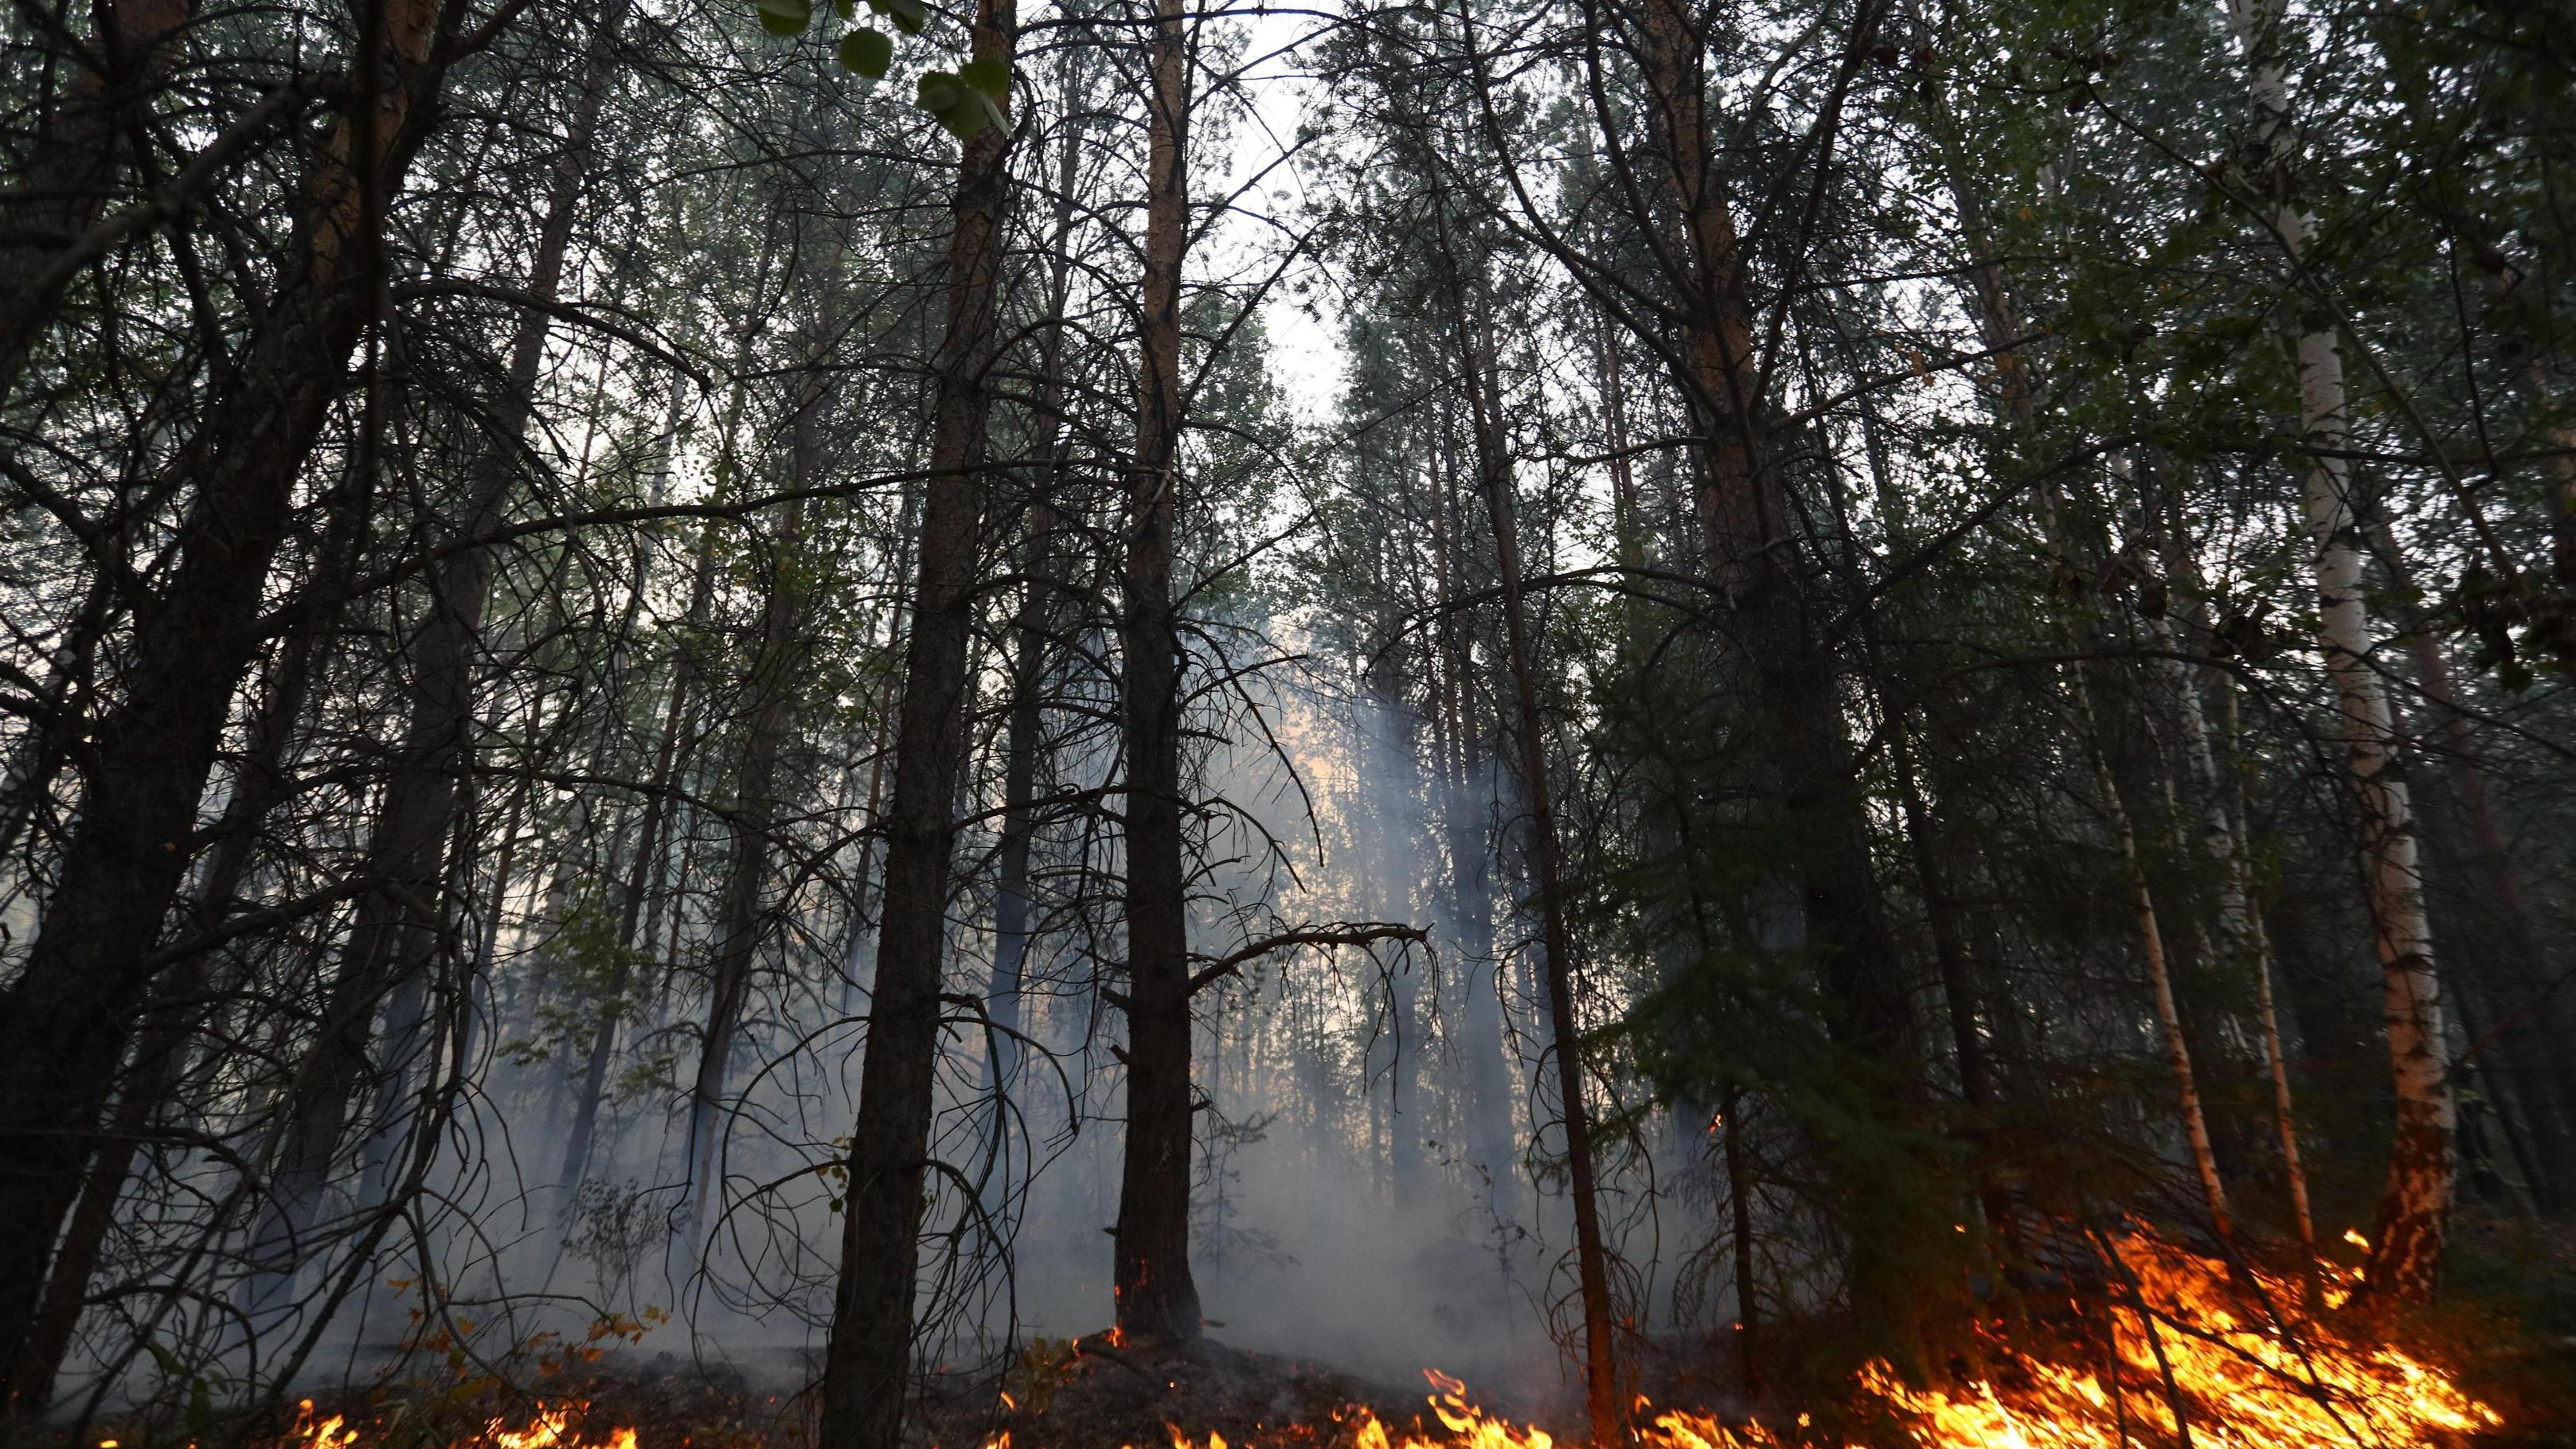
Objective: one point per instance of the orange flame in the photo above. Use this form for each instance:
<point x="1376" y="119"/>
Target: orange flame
<point x="552" y="1428"/>
<point x="2238" y="1379"/>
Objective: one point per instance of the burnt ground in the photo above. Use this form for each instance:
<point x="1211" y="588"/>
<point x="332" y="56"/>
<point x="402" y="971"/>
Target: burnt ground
<point x="1093" y="1394"/>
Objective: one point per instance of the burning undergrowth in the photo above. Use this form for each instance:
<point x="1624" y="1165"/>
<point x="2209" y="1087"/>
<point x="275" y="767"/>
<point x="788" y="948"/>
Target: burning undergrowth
<point x="2181" y="1352"/>
<point x="2171" y="1348"/>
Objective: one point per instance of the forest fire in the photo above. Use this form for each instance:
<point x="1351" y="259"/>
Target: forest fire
<point x="2190" y="1355"/>
<point x="554" y="1426"/>
<point x="2206" y="1363"/>
<point x="1770" y="724"/>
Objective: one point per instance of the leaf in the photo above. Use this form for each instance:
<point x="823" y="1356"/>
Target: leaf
<point x="984" y="113"/>
<point x="960" y="107"/>
<point x="786" y="19"/>
<point x="867" y="52"/>
<point x="990" y="74"/>
<point x="909" y="16"/>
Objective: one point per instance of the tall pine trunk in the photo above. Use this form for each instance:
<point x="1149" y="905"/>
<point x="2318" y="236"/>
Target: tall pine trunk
<point x="179" y="1009"/>
<point x="867" y="1361"/>
<point x="1604" y="1404"/>
<point x="75" y="163"/>
<point x="1466" y="802"/>
<point x="742" y="921"/>
<point x="1813" y="794"/>
<point x="643" y="871"/>
<point x="1157" y="1300"/>
<point x="1032" y="631"/>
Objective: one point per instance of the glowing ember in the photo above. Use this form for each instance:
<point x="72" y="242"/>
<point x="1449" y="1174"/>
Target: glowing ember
<point x="2198" y="1360"/>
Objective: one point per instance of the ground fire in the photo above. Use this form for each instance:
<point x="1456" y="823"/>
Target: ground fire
<point x="2195" y="1355"/>
<point x="2196" y="1367"/>
<point x="764" y="724"/>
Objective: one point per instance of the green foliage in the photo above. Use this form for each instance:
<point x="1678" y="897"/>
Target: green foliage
<point x="964" y="101"/>
<point x="909" y="16"/>
<point x="867" y="52"/>
<point x="589" y="976"/>
<point x="785" y="18"/>
<point x="959" y="103"/>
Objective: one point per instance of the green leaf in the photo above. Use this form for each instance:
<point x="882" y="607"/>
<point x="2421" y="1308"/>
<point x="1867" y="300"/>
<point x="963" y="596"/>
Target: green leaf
<point x="973" y="116"/>
<point x="867" y="52"/>
<point x="991" y="75"/>
<point x="909" y="16"/>
<point x="846" y="9"/>
<point x="786" y="19"/>
<point x="960" y="107"/>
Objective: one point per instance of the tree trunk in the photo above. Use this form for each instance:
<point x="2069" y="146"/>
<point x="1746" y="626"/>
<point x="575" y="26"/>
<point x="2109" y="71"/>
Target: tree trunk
<point x="641" y="877"/>
<point x="1465" y="807"/>
<point x="1024" y="739"/>
<point x="2541" y="1080"/>
<point x="2151" y="944"/>
<point x="178" y="1012"/>
<point x="1739" y="1203"/>
<point x="1157" y="1301"/>
<point x="1031" y="631"/>
<point x="868" y="1360"/>
<point x="65" y="1020"/>
<point x="1604" y="1405"/>
<point x="2242" y="944"/>
<point x="743" y="920"/>
<point x="1949" y="940"/>
<point x="74" y="165"/>
<point x="2414" y="1208"/>
<point x="393" y="946"/>
<point x="1815" y="797"/>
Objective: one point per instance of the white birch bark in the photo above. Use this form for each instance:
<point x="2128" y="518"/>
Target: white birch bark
<point x="2415" y="1205"/>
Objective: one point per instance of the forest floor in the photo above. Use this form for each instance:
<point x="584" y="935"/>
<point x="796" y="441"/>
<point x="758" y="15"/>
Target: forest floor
<point x="2508" y="1331"/>
<point x="1093" y="1393"/>
<point x="1090" y="1393"/>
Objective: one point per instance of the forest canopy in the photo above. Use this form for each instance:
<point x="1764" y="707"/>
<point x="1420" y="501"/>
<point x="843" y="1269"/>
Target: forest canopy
<point x="1804" y="710"/>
